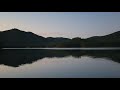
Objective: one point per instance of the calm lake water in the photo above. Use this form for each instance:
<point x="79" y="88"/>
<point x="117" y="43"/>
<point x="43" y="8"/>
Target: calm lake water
<point x="60" y="63"/>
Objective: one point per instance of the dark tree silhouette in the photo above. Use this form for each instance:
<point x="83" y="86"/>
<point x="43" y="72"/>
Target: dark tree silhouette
<point x="16" y="38"/>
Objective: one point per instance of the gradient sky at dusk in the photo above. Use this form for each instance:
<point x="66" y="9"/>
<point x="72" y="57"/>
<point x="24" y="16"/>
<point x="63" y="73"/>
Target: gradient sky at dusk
<point x="62" y="24"/>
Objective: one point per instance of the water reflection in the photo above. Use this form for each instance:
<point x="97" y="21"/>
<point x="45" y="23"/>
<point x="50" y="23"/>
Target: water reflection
<point x="15" y="57"/>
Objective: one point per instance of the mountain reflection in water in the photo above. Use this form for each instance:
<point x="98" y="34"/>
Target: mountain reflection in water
<point x="15" y="57"/>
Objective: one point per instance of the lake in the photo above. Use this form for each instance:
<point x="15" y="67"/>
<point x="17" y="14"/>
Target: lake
<point x="60" y="63"/>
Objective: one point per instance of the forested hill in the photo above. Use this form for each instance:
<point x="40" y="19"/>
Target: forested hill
<point x="110" y="40"/>
<point x="17" y="38"/>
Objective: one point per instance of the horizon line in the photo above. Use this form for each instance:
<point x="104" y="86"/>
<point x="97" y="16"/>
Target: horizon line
<point x="58" y="36"/>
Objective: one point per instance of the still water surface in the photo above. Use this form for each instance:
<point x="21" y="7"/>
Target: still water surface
<point x="57" y="63"/>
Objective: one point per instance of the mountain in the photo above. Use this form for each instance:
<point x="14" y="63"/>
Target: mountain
<point x="15" y="38"/>
<point x="115" y="35"/>
<point x="18" y="38"/>
<point x="110" y="40"/>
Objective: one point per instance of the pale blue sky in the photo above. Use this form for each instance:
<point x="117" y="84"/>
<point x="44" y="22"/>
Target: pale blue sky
<point x="62" y="24"/>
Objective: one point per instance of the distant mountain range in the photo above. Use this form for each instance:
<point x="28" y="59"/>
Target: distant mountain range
<point x="15" y="38"/>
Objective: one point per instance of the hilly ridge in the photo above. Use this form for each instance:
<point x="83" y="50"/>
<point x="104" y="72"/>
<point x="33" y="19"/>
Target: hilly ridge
<point x="110" y="40"/>
<point x="17" y="38"/>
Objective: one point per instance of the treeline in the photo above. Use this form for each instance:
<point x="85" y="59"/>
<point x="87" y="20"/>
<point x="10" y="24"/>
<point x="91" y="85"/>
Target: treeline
<point x="75" y="42"/>
<point x="15" y="38"/>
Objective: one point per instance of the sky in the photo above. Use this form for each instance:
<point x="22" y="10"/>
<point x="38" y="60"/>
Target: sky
<point x="62" y="24"/>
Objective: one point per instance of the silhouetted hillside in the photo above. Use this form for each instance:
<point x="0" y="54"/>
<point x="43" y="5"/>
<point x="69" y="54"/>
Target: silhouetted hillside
<point x="111" y="40"/>
<point x="16" y="38"/>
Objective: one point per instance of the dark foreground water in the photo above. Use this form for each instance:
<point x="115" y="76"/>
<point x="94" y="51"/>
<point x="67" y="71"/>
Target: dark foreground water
<point x="60" y="63"/>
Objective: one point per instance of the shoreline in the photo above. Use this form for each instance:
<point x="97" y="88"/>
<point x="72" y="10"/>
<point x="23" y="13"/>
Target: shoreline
<point x="100" y="48"/>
